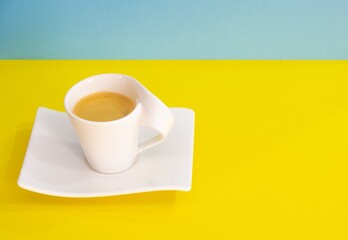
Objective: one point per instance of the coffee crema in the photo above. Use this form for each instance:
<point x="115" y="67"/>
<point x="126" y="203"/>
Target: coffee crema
<point x="103" y="106"/>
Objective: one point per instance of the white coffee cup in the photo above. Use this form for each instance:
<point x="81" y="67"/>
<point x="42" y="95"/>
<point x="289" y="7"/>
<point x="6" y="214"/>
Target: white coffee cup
<point x="112" y="146"/>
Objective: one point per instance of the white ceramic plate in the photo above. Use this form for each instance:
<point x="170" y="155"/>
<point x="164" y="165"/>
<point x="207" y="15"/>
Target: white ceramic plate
<point x="54" y="163"/>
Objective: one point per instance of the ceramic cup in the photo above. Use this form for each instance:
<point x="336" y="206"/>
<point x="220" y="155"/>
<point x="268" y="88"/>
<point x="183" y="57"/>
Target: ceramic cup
<point x="112" y="146"/>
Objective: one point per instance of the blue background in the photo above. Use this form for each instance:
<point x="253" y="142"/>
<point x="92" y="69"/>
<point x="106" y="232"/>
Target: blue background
<point x="180" y="29"/>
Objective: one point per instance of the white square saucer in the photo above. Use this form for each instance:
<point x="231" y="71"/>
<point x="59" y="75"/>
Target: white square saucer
<point x="55" y="165"/>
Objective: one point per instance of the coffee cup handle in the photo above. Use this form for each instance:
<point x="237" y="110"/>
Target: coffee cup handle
<point x="156" y="115"/>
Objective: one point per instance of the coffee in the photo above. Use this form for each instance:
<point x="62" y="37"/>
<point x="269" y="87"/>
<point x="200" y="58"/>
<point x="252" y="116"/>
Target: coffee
<point x="103" y="106"/>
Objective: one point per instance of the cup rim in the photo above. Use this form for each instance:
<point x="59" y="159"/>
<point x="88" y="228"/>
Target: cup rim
<point x="76" y="85"/>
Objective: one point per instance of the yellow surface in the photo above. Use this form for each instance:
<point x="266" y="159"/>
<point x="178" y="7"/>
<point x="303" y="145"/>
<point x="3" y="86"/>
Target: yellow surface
<point x="270" y="157"/>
